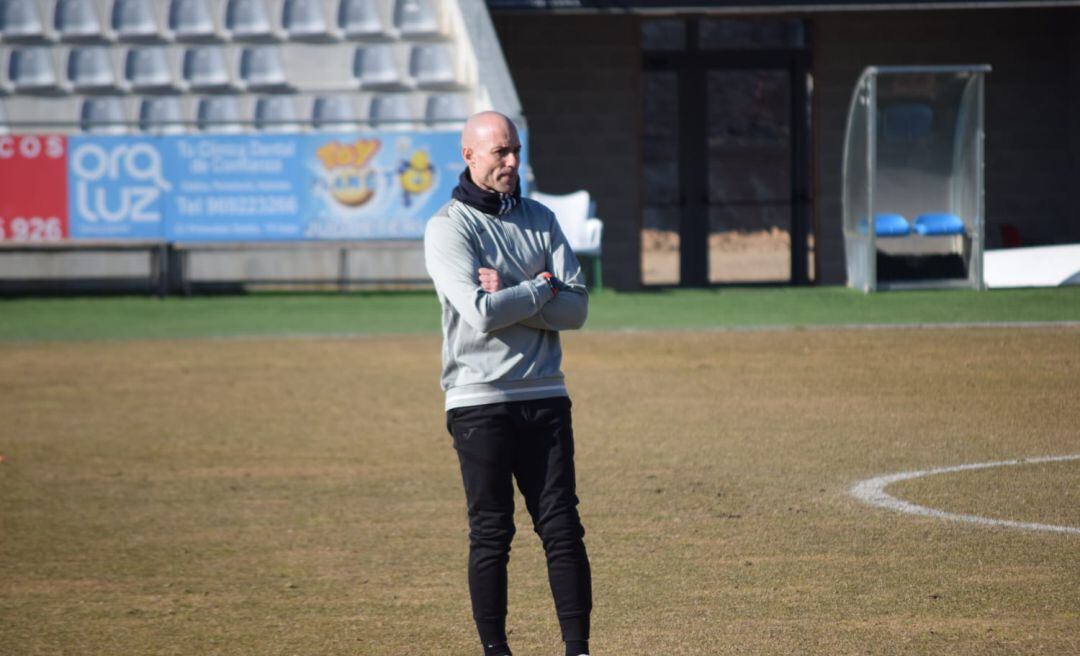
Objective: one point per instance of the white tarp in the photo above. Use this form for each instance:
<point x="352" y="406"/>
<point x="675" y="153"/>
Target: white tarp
<point x="1037" y="266"/>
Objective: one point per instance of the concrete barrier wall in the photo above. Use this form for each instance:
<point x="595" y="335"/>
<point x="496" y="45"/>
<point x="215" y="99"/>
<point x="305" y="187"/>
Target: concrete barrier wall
<point x="377" y="263"/>
<point x="47" y="265"/>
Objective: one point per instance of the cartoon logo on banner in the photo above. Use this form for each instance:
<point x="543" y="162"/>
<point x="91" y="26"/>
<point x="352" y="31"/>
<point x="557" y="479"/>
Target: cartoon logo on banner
<point x="375" y="187"/>
<point x="348" y="174"/>
<point x="416" y="176"/>
<point x="116" y="187"/>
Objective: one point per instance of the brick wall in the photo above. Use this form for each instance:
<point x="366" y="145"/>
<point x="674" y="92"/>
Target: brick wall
<point x="578" y="79"/>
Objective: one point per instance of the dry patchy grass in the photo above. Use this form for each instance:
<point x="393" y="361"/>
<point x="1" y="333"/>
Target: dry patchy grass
<point x="302" y="497"/>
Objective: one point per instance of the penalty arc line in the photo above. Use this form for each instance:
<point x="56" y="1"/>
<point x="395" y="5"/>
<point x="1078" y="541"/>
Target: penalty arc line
<point x="872" y="491"/>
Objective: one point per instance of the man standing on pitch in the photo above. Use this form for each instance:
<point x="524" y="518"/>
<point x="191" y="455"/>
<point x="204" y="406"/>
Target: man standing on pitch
<point x="508" y="283"/>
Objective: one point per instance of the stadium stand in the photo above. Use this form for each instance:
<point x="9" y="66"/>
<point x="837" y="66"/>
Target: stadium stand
<point x="412" y="60"/>
<point x="175" y="67"/>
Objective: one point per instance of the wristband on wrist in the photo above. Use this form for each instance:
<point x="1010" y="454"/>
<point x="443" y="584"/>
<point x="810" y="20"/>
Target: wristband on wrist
<point x="551" y="283"/>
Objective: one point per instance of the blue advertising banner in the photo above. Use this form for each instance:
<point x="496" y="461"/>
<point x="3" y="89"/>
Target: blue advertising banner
<point x="202" y="188"/>
<point x="378" y="186"/>
<point x="116" y="188"/>
<point x="229" y="188"/>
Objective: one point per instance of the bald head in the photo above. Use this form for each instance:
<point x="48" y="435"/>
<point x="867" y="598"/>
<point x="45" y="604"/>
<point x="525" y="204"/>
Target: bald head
<point x="491" y="148"/>
<point x="483" y="124"/>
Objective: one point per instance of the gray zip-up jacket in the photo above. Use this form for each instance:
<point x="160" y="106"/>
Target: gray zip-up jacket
<point x="502" y="346"/>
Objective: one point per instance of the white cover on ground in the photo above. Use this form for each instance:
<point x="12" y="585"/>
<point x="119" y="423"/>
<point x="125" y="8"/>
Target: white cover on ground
<point x="1038" y="266"/>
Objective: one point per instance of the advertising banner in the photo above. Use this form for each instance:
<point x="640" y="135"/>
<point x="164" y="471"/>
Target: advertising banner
<point x="378" y="186"/>
<point x="214" y="188"/>
<point x="117" y="187"/>
<point x="33" y="188"/>
<point x="229" y="188"/>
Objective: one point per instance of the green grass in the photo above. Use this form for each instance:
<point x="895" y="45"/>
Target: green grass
<point x="791" y="306"/>
<point x="214" y="316"/>
<point x="417" y="312"/>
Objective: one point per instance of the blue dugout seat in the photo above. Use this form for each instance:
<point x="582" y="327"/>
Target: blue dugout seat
<point x="939" y="223"/>
<point x="887" y="225"/>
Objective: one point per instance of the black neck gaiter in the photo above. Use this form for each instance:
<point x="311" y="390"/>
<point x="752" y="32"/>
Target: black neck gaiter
<point x="488" y="202"/>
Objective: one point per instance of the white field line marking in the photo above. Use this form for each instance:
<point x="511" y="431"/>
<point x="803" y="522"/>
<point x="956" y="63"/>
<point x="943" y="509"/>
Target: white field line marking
<point x="872" y="491"/>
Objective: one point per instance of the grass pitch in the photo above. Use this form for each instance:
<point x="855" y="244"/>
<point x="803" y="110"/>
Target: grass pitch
<point x="270" y="314"/>
<point x="286" y="496"/>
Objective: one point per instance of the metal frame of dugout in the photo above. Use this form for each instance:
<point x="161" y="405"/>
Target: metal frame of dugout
<point x="913" y="207"/>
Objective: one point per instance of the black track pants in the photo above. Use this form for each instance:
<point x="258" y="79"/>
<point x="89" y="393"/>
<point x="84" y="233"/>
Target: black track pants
<point x="532" y="442"/>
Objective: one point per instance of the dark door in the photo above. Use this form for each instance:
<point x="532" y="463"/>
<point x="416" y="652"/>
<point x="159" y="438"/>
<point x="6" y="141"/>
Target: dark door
<point x="726" y="129"/>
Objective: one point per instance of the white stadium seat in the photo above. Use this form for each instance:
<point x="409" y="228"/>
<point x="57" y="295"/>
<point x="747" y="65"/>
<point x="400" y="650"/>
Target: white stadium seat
<point x="205" y="69"/>
<point x="432" y="65"/>
<point x="77" y="20"/>
<point x="148" y="68"/>
<point x="31" y="70"/>
<point x="135" y="20"/>
<point x="416" y="18"/>
<point x="276" y="114"/>
<point x="376" y="66"/>
<point x="103" y="115"/>
<point x="334" y="113"/>
<point x="391" y="110"/>
<point x="21" y="21"/>
<point x="90" y="68"/>
<point x="249" y="20"/>
<point x="305" y="20"/>
<point x="161" y="115"/>
<point x="191" y="20"/>
<point x="360" y="19"/>
<point x="447" y="107"/>
<point x="261" y="69"/>
<point x="574" y="213"/>
<point x="219" y="114"/>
